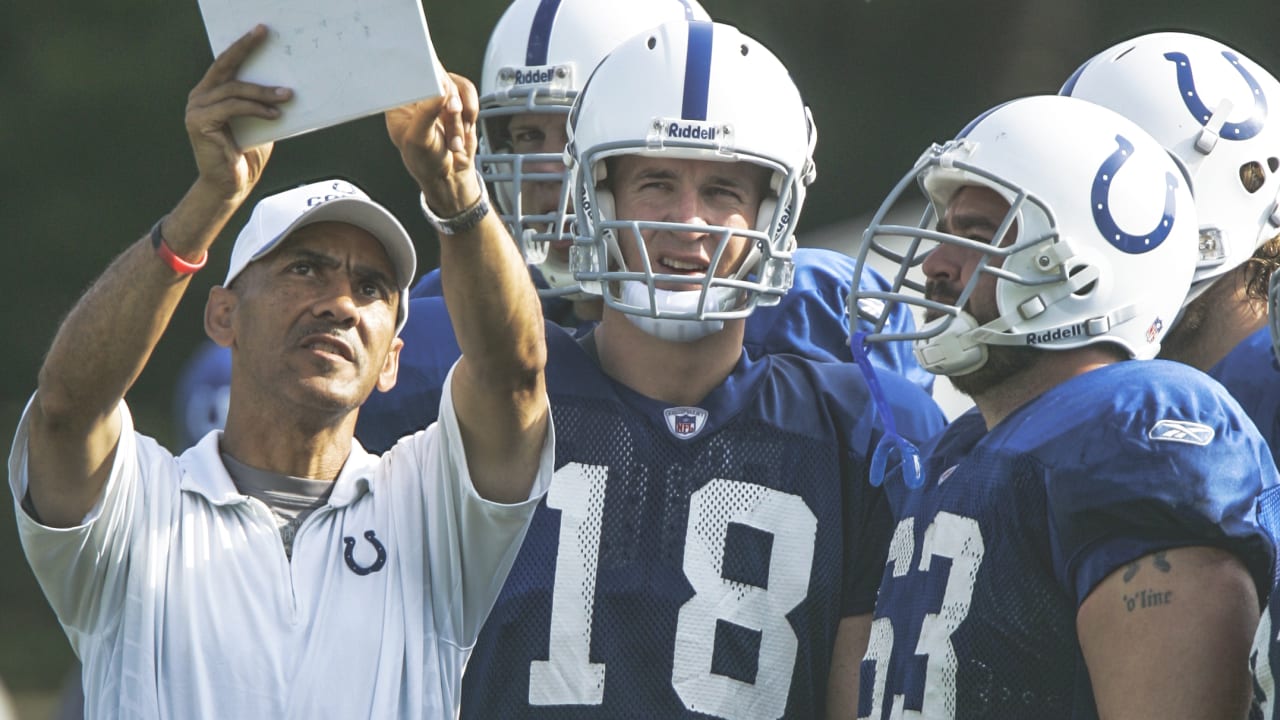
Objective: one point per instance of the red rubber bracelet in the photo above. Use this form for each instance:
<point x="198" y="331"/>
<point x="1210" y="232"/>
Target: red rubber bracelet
<point x="170" y="258"/>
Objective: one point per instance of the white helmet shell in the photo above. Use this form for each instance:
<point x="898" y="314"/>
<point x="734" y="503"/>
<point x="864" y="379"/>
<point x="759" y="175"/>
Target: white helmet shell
<point x="1215" y="110"/>
<point x="1102" y="215"/>
<point x="690" y="91"/>
<point x="540" y="55"/>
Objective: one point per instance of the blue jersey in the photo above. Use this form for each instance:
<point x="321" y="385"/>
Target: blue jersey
<point x="689" y="561"/>
<point x="992" y="558"/>
<point x="430" y="349"/>
<point x="811" y="320"/>
<point x="1250" y="373"/>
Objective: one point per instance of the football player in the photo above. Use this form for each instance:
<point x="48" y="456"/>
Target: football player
<point x="1084" y="543"/>
<point x="711" y="543"/>
<point x="539" y="56"/>
<point x="1212" y="107"/>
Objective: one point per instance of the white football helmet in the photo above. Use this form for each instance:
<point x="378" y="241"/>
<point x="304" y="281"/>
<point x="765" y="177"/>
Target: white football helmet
<point x="1211" y="107"/>
<point x="540" y="55"/>
<point x="689" y="91"/>
<point x="1102" y="218"/>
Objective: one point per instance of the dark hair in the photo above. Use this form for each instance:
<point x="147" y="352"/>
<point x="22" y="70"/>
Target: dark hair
<point x="1258" y="269"/>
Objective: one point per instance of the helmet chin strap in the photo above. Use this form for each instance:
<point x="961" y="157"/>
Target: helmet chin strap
<point x="954" y="351"/>
<point x="962" y="347"/>
<point x="683" y="302"/>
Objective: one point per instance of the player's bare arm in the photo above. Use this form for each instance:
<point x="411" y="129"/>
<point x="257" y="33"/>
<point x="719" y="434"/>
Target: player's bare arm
<point x="498" y="386"/>
<point x="105" y="342"/>
<point x="1168" y="636"/>
<point x="852" y="637"/>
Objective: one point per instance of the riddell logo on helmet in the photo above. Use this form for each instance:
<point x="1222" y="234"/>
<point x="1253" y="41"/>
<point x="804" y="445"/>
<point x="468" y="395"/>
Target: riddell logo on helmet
<point x="1055" y="335"/>
<point x="689" y="131"/>
<point x="532" y="76"/>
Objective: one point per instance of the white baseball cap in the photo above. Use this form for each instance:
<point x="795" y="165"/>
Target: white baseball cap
<point x="276" y="216"/>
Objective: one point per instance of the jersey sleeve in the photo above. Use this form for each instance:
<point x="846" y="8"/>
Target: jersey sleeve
<point x="1146" y="481"/>
<point x="428" y="286"/>
<point x="83" y="570"/>
<point x="471" y="542"/>
<point x="812" y="319"/>
<point x="430" y="349"/>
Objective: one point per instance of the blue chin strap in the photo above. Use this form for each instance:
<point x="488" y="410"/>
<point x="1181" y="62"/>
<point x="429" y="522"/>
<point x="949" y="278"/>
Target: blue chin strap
<point x="891" y="443"/>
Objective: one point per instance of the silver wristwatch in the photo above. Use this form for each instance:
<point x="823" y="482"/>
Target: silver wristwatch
<point x="463" y="221"/>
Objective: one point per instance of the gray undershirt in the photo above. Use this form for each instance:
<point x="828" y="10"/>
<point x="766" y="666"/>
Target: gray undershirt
<point x="291" y="499"/>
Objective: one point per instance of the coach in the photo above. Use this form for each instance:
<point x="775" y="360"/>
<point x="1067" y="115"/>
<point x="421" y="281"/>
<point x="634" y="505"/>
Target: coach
<point x="277" y="569"/>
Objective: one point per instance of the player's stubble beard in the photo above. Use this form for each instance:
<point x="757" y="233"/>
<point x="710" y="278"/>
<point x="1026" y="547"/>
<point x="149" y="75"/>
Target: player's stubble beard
<point x="1003" y="361"/>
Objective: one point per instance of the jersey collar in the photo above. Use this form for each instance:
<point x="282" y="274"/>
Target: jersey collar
<point x="204" y="474"/>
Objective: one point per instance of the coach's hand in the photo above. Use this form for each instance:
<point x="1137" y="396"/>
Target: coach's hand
<point x="224" y="167"/>
<point x="437" y="142"/>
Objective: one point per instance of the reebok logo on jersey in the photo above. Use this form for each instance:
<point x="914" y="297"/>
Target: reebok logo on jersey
<point x="1181" y="431"/>
<point x="685" y="422"/>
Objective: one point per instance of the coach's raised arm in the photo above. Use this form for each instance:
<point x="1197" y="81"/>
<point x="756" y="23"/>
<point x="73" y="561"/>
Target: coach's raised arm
<point x="498" y="385"/>
<point x="108" y="337"/>
<point x="276" y="568"/>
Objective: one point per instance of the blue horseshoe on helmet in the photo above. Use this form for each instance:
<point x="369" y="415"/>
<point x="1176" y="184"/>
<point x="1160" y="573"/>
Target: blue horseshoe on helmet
<point x="1191" y="98"/>
<point x="349" y="554"/>
<point x="1101" y="205"/>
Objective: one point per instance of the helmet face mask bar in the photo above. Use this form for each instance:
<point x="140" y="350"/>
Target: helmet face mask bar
<point x="762" y="277"/>
<point x="618" y="115"/>
<point x="540" y="55"/>
<point x="533" y="229"/>
<point x="1070" y="275"/>
<point x="950" y="318"/>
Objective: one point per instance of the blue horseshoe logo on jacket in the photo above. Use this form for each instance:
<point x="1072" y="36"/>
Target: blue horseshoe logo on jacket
<point x="1197" y="108"/>
<point x="349" y="554"/>
<point x="1101" y="205"/>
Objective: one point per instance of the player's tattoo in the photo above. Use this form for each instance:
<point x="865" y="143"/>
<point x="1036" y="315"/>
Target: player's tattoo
<point x="1144" y="599"/>
<point x="1161" y="563"/>
<point x="1159" y="560"/>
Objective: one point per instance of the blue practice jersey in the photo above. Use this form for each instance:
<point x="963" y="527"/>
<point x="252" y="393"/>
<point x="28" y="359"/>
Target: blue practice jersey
<point x="811" y="320"/>
<point x="689" y="561"/>
<point x="992" y="558"/>
<point x="1250" y="373"/>
<point x="429" y="351"/>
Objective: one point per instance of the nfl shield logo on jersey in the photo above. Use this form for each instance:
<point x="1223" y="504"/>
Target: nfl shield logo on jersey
<point x="685" y="422"/>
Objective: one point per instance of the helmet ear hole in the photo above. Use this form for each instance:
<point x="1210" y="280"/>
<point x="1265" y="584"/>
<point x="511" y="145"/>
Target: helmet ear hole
<point x="1085" y="290"/>
<point x="1252" y="176"/>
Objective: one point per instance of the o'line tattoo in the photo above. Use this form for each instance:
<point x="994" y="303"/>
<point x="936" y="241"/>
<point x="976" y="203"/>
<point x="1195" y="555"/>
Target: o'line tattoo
<point x="1144" y="599"/>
